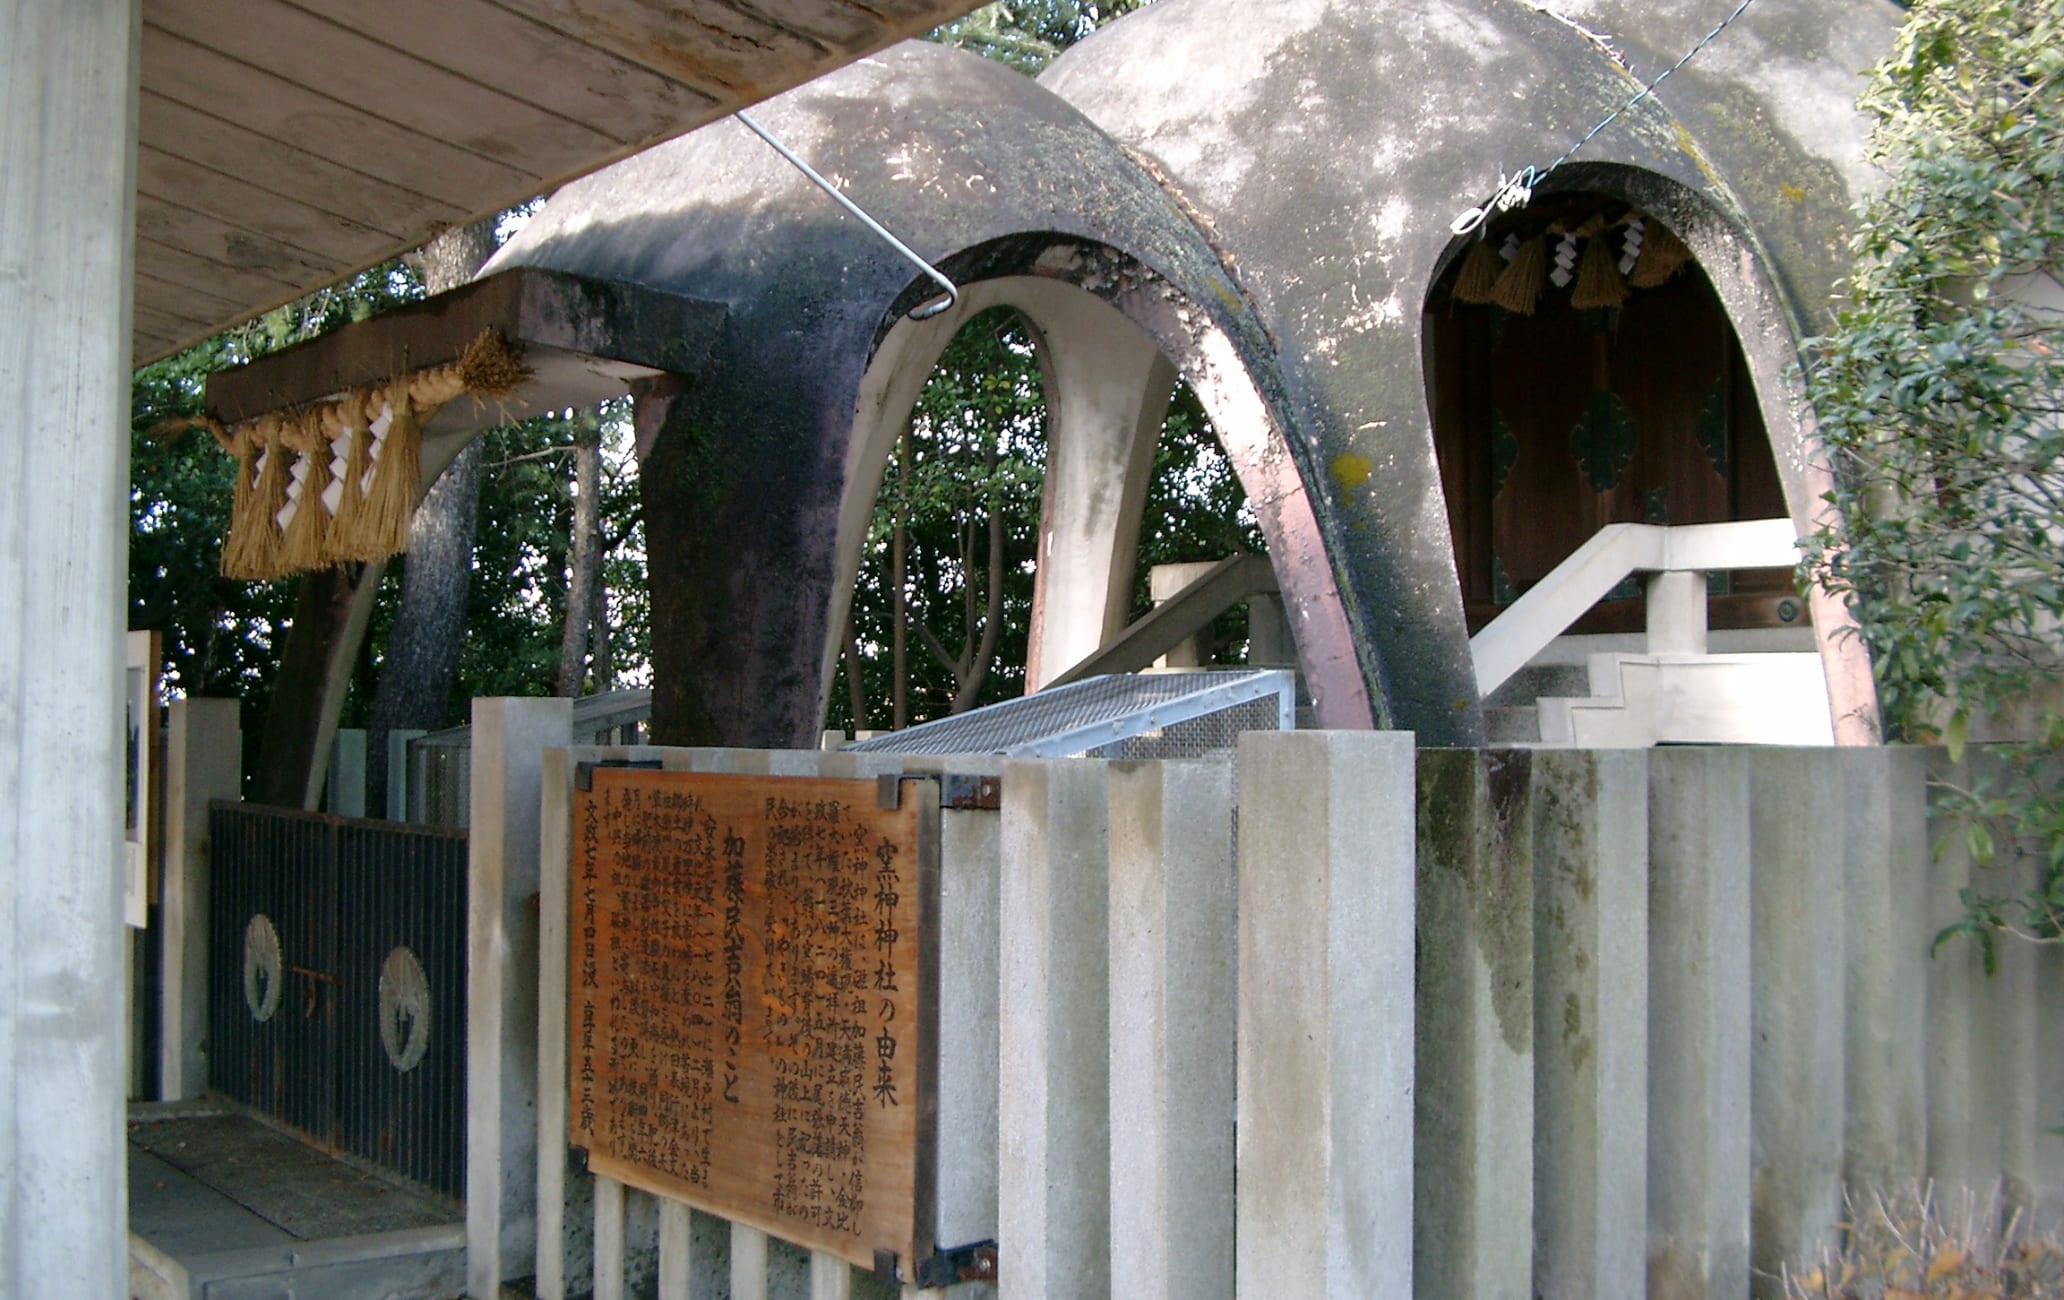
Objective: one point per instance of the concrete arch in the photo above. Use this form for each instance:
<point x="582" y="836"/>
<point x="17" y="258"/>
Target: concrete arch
<point x="1767" y="327"/>
<point x="1113" y="337"/>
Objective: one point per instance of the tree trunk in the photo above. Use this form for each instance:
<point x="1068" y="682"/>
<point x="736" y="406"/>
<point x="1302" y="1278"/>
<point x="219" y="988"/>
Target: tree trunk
<point x="423" y="645"/>
<point x="584" y="561"/>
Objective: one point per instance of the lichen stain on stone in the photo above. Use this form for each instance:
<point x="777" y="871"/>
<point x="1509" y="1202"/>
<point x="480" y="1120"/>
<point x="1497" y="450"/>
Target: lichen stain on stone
<point x="1349" y="470"/>
<point x="1690" y="149"/>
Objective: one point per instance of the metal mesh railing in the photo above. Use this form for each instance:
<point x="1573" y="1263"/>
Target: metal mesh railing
<point x="1146" y="715"/>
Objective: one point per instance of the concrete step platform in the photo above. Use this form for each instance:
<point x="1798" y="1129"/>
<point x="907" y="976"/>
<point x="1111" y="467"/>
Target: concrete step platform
<point x="226" y="1206"/>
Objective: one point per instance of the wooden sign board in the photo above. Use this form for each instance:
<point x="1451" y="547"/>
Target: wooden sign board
<point x="752" y="998"/>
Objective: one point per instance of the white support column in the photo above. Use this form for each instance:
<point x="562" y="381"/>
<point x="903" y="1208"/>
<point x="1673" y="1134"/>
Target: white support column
<point x="1173" y="1024"/>
<point x="203" y="761"/>
<point x="1676" y="612"/>
<point x="1698" y="1023"/>
<point x="609" y="1239"/>
<point x="1054" y="1144"/>
<point x="1590" y="815"/>
<point x="1799" y="902"/>
<point x="676" y="1249"/>
<point x="68" y="152"/>
<point x="748" y="1263"/>
<point x="503" y="905"/>
<point x="1325" y="1057"/>
<point x="1108" y="391"/>
<point x="1474" y="1055"/>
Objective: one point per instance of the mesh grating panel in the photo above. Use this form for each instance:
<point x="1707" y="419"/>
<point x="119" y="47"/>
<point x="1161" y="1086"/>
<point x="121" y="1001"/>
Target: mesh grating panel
<point x="1147" y="715"/>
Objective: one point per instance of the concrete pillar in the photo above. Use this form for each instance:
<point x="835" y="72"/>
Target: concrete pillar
<point x="203" y="761"/>
<point x="1473" y="1220"/>
<point x="1164" y="582"/>
<point x="1798" y="902"/>
<point x="1590" y="814"/>
<point x="1107" y="391"/>
<point x="1325" y="1050"/>
<point x="1676" y="613"/>
<point x="345" y="783"/>
<point x="1885" y="861"/>
<point x="398" y="806"/>
<point x="68" y="152"/>
<point x="502" y="883"/>
<point x="1698" y="1024"/>
<point x="1053" y="1147"/>
<point x="1172" y="1030"/>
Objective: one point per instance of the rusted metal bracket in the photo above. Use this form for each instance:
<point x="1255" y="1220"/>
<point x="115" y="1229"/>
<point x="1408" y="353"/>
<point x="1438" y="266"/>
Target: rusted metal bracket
<point x="956" y="791"/>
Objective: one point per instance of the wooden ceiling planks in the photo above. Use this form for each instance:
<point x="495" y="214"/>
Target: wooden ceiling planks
<point x="285" y="144"/>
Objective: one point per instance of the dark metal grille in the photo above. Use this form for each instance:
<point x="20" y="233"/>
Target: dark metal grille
<point x="337" y="982"/>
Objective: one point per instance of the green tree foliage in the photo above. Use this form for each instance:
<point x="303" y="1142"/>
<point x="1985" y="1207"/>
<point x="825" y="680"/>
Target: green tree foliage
<point x="1938" y="394"/>
<point x="970" y="474"/>
<point x="224" y="638"/>
<point x="1029" y="34"/>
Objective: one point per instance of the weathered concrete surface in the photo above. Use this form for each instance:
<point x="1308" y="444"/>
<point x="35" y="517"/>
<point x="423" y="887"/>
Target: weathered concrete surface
<point x="1698" y="1024"/>
<point x="1054" y="1149"/>
<point x="1473" y="1213"/>
<point x="503" y="880"/>
<point x="1172" y="1030"/>
<point x="969" y="163"/>
<point x="67" y="215"/>
<point x="1798" y="911"/>
<point x="1590" y="827"/>
<point x="1326" y="906"/>
<point x="1333" y="144"/>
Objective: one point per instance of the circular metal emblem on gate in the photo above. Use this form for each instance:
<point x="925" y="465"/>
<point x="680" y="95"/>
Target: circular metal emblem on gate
<point x="261" y="967"/>
<point x="404" y="1009"/>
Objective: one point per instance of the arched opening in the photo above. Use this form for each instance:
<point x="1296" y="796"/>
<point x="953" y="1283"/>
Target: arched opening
<point x="991" y="540"/>
<point x="1582" y="371"/>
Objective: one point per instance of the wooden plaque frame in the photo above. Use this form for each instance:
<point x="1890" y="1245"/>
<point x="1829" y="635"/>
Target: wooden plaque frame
<point x="752" y="984"/>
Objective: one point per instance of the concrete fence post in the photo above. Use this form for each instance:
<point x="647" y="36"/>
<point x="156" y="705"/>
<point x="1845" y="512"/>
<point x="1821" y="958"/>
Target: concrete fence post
<point x="1885" y="968"/>
<point x="1799" y="902"/>
<point x="1325" y="1056"/>
<point x="1473" y="1131"/>
<point x="1053" y="1149"/>
<point x="1590" y="815"/>
<point x="1698" y="1024"/>
<point x="398" y="783"/>
<point x="344" y="789"/>
<point x="1172" y="1030"/>
<point x="502" y="885"/>
<point x="203" y="762"/>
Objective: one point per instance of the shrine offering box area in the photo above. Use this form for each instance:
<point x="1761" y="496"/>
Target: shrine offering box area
<point x="752" y="999"/>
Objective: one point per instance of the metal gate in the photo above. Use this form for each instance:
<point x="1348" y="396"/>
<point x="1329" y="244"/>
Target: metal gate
<point x="337" y="982"/>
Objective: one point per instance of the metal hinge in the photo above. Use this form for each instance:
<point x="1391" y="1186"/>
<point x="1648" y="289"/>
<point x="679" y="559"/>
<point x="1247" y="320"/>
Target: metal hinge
<point x="975" y="1262"/>
<point x="956" y="791"/>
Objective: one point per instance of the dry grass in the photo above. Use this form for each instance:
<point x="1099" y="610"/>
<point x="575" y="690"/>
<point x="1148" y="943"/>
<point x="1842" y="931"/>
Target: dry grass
<point x="1918" y="1244"/>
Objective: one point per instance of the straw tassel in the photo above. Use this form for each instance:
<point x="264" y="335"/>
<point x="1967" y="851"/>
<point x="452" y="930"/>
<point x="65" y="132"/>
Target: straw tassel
<point x="1662" y="256"/>
<point x="306" y="532"/>
<point x="1479" y="273"/>
<point x="1598" y="280"/>
<point x="1519" y="286"/>
<point x="255" y="547"/>
<point x="391" y="497"/>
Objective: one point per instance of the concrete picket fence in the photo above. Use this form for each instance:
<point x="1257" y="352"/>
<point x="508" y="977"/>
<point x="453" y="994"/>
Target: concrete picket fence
<point x="1348" y="1018"/>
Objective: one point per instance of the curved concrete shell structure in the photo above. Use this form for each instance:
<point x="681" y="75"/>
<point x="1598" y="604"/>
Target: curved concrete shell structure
<point x="1254" y="195"/>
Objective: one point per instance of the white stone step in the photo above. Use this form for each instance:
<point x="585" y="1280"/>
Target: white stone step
<point x="1639" y="700"/>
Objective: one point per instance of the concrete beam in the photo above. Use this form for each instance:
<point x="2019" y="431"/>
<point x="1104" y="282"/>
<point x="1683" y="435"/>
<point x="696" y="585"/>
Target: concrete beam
<point x="68" y="150"/>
